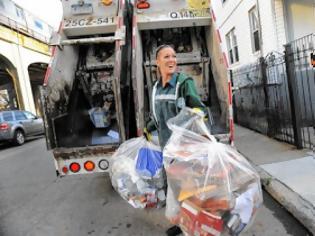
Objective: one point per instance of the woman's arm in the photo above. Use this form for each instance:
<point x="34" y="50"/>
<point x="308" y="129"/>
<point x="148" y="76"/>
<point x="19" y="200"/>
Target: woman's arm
<point x="192" y="99"/>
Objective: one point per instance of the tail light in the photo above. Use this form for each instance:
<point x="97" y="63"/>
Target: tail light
<point x="143" y="4"/>
<point x="4" y="126"/>
<point x="103" y="164"/>
<point x="65" y="169"/>
<point x="107" y="2"/>
<point x="75" y="167"/>
<point x="89" y="166"/>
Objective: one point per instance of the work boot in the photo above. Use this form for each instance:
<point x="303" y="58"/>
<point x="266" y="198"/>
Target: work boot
<point x="173" y="231"/>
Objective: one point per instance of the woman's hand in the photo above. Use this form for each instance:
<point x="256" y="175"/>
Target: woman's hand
<point x="147" y="134"/>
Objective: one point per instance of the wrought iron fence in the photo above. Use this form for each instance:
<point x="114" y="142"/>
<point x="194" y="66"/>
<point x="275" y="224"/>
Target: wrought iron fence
<point x="302" y="74"/>
<point x="249" y="98"/>
<point x="276" y="95"/>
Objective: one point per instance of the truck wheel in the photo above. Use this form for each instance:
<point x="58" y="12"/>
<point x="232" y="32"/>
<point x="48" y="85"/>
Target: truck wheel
<point x="19" y="137"/>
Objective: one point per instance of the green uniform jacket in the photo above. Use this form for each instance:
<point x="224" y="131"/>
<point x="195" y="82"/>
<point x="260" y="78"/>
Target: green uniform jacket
<point x="167" y="101"/>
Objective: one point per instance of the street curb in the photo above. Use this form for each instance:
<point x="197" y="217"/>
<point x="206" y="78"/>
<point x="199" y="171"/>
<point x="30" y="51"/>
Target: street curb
<point x="301" y="209"/>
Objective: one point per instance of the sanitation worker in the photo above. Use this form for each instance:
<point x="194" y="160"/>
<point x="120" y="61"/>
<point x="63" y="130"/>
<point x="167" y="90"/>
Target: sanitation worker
<point x="171" y="92"/>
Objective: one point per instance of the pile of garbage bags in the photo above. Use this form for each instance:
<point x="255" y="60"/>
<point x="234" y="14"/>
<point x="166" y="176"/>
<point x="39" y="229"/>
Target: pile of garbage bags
<point x="212" y="189"/>
<point x="137" y="173"/>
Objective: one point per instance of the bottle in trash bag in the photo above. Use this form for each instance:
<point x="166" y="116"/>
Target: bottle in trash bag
<point x="234" y="223"/>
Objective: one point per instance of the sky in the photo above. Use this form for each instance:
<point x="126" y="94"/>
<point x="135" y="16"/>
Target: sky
<point x="49" y="11"/>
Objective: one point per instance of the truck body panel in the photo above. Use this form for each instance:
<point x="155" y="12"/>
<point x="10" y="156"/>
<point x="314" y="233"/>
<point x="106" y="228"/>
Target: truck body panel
<point x="89" y="16"/>
<point x="185" y="25"/>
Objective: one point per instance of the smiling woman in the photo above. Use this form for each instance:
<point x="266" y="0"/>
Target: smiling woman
<point x="166" y="62"/>
<point x="171" y="92"/>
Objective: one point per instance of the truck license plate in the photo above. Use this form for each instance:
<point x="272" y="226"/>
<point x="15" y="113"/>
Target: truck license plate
<point x="81" y="9"/>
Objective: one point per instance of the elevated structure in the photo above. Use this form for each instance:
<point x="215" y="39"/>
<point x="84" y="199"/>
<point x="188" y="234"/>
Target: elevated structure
<point x="24" y="56"/>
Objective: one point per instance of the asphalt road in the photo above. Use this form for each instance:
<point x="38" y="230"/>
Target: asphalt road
<point x="34" y="202"/>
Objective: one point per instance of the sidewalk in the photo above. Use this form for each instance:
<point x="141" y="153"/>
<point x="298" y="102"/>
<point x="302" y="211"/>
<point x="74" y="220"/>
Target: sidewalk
<point x="287" y="174"/>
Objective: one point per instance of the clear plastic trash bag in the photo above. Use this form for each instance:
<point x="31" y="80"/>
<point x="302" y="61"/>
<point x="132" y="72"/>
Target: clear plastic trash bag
<point x="137" y="173"/>
<point x="212" y="188"/>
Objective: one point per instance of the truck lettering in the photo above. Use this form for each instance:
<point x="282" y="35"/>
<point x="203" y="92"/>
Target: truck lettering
<point x="174" y="15"/>
<point x="74" y="23"/>
<point x="188" y="14"/>
<point x="89" y="21"/>
<point x="67" y="23"/>
<point x="100" y="21"/>
<point x="82" y="22"/>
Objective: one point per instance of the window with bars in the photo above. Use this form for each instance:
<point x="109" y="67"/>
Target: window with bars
<point x="231" y="42"/>
<point x="254" y="29"/>
<point x="1" y="4"/>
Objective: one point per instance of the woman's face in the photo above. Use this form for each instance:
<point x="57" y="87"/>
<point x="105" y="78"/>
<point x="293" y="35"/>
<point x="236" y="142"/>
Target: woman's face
<point x="166" y="61"/>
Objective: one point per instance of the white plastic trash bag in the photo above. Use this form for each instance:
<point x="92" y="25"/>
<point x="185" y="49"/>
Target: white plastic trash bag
<point x="212" y="188"/>
<point x="137" y="173"/>
<point x="100" y="117"/>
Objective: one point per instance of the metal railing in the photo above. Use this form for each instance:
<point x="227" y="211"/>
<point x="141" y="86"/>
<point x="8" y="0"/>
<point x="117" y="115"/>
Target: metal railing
<point x="22" y="28"/>
<point x="302" y="74"/>
<point x="276" y="95"/>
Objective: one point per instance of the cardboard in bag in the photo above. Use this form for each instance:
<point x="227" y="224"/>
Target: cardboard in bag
<point x="195" y="221"/>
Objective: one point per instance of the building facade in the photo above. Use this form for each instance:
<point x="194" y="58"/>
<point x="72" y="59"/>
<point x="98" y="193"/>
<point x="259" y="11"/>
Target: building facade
<point x="268" y="46"/>
<point x="250" y="29"/>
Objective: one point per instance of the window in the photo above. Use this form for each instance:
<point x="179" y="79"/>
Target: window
<point x="231" y="42"/>
<point x="7" y="116"/>
<point x="254" y="29"/>
<point x="19" y="12"/>
<point x="38" y="24"/>
<point x="19" y="115"/>
<point x="1" y="4"/>
<point x="29" y="116"/>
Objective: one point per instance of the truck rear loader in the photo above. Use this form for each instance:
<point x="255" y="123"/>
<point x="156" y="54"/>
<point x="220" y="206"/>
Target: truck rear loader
<point x="98" y="85"/>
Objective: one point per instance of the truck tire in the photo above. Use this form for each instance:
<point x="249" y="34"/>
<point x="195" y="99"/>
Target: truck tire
<point x="19" y="137"/>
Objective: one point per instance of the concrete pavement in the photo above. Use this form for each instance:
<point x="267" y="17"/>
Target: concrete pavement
<point x="34" y="202"/>
<point x="287" y="174"/>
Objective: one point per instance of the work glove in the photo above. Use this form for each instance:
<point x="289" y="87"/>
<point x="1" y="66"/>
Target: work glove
<point x="198" y="111"/>
<point x="147" y="134"/>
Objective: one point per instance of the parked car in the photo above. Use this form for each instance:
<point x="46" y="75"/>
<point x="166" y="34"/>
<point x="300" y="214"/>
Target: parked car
<point x="17" y="125"/>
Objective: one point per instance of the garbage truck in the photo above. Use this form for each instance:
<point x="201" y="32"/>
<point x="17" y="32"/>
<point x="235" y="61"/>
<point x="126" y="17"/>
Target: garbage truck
<point x="97" y="88"/>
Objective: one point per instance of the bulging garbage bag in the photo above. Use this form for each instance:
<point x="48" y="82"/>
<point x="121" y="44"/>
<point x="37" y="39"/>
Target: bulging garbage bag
<point x="212" y="188"/>
<point x="137" y="173"/>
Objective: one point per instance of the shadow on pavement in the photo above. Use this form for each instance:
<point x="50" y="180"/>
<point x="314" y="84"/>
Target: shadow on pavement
<point x="8" y="145"/>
